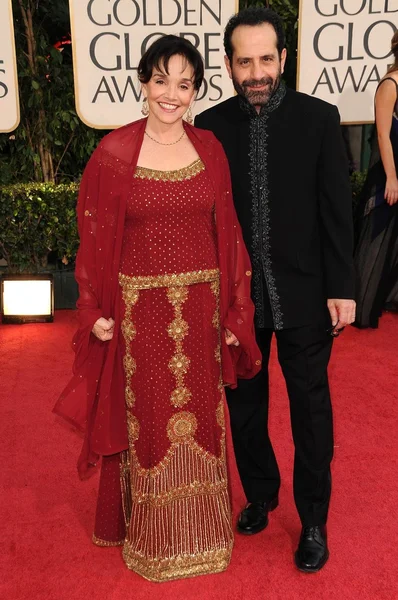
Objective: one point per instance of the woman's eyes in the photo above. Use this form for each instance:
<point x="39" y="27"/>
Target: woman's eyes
<point x="183" y="86"/>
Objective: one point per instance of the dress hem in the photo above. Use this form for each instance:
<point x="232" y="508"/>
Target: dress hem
<point x="104" y="543"/>
<point x="179" y="567"/>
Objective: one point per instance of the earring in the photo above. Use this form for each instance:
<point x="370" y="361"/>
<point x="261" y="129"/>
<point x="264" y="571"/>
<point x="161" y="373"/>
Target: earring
<point x="189" y="117"/>
<point x="145" y="108"/>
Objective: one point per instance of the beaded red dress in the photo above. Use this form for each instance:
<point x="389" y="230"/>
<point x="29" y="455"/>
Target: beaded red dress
<point x="176" y="503"/>
<point x="163" y="255"/>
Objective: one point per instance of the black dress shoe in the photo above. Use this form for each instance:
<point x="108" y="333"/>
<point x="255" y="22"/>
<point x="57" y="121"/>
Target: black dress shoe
<point x="312" y="552"/>
<point x="254" y="518"/>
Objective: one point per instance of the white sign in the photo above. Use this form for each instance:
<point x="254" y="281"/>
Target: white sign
<point x="344" y="51"/>
<point x="9" y="98"/>
<point x="110" y="36"/>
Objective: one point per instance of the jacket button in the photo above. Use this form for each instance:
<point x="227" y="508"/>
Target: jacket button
<point x="248" y="273"/>
<point x="258" y="362"/>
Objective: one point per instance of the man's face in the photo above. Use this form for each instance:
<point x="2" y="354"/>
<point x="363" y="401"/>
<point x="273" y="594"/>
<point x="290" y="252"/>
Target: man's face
<point x="256" y="66"/>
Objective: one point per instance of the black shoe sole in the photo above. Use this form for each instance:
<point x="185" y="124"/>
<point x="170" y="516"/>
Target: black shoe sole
<point x="308" y="569"/>
<point x="272" y="506"/>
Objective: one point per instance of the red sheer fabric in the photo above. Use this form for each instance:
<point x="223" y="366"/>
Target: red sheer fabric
<point x="94" y="399"/>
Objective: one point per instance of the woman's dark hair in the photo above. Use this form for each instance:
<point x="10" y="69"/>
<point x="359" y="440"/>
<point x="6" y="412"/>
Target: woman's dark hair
<point x="159" y="53"/>
<point x="253" y="16"/>
<point x="394" y="50"/>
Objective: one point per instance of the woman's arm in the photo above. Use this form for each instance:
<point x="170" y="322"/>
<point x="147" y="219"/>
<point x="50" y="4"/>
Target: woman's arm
<point x="386" y="97"/>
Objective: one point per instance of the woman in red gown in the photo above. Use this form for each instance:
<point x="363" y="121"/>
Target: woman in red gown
<point x="166" y="321"/>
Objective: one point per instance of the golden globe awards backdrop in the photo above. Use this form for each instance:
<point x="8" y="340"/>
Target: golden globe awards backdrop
<point x="109" y="37"/>
<point x="344" y="51"/>
<point x="9" y="98"/>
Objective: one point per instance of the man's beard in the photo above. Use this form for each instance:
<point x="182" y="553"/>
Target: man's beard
<point x="260" y="97"/>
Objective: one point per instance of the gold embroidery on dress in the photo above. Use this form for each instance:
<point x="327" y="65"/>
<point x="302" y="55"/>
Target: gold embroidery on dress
<point x="178" y="330"/>
<point x="98" y="542"/>
<point x="217" y="353"/>
<point x="133" y="427"/>
<point x="125" y="485"/>
<point x="177" y="512"/>
<point x="181" y="427"/>
<point x="146" y="282"/>
<point x="179" y="366"/>
<point x="180" y="396"/>
<point x="167" y="569"/>
<point x="220" y="414"/>
<point x="130" y="297"/>
<point x="177" y="175"/>
<point x="182" y="507"/>
<point x="215" y="288"/>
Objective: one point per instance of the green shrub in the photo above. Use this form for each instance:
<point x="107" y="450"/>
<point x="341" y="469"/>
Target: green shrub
<point x="36" y="220"/>
<point x="358" y="179"/>
<point x="39" y="219"/>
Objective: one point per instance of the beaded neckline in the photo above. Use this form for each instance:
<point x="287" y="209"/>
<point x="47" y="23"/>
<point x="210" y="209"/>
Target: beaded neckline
<point x="177" y="175"/>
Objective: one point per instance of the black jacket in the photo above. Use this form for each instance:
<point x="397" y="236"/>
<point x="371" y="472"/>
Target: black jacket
<point x="292" y="194"/>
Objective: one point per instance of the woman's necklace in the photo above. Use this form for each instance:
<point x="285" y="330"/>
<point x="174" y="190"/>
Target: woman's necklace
<point x="162" y="143"/>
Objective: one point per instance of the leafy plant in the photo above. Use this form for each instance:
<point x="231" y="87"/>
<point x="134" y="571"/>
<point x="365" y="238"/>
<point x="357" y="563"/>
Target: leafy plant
<point x="37" y="220"/>
<point x="51" y="143"/>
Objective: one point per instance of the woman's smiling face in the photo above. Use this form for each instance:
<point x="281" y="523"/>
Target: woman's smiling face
<point x="170" y="94"/>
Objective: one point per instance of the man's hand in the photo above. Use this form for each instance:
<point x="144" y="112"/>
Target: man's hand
<point x="342" y="313"/>
<point x="103" y="329"/>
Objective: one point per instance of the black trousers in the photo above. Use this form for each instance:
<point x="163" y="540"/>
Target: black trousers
<point x="304" y="355"/>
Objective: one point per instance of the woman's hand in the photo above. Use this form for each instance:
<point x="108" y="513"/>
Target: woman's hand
<point x="391" y="193"/>
<point x="103" y="329"/>
<point x="230" y="338"/>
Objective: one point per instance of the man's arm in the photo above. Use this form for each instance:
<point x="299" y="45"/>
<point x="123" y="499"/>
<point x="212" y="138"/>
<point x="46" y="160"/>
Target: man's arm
<point x="335" y="210"/>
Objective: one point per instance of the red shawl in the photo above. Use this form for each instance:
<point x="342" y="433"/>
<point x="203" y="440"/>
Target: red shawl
<point x="94" y="399"/>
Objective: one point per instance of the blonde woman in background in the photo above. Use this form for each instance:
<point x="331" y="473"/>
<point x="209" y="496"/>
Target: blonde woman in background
<point x="376" y="255"/>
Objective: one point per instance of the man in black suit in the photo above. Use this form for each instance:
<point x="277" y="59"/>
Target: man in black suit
<point x="292" y="195"/>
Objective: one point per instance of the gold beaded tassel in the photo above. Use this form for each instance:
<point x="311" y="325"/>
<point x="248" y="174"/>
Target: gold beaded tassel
<point x="181" y="517"/>
<point x="125" y="485"/>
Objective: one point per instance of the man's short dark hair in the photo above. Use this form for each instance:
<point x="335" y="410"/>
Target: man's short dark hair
<point x="159" y="53"/>
<point x="252" y="16"/>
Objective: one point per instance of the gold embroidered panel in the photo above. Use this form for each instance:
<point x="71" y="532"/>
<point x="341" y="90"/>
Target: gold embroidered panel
<point x="177" y="512"/>
<point x="146" y="282"/>
<point x="177" y="175"/>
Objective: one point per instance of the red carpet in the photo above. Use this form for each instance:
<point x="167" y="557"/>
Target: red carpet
<point x="47" y="514"/>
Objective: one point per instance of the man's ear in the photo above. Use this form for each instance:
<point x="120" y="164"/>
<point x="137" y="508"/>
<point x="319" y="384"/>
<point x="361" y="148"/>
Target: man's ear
<point x="283" y="59"/>
<point x="228" y="66"/>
